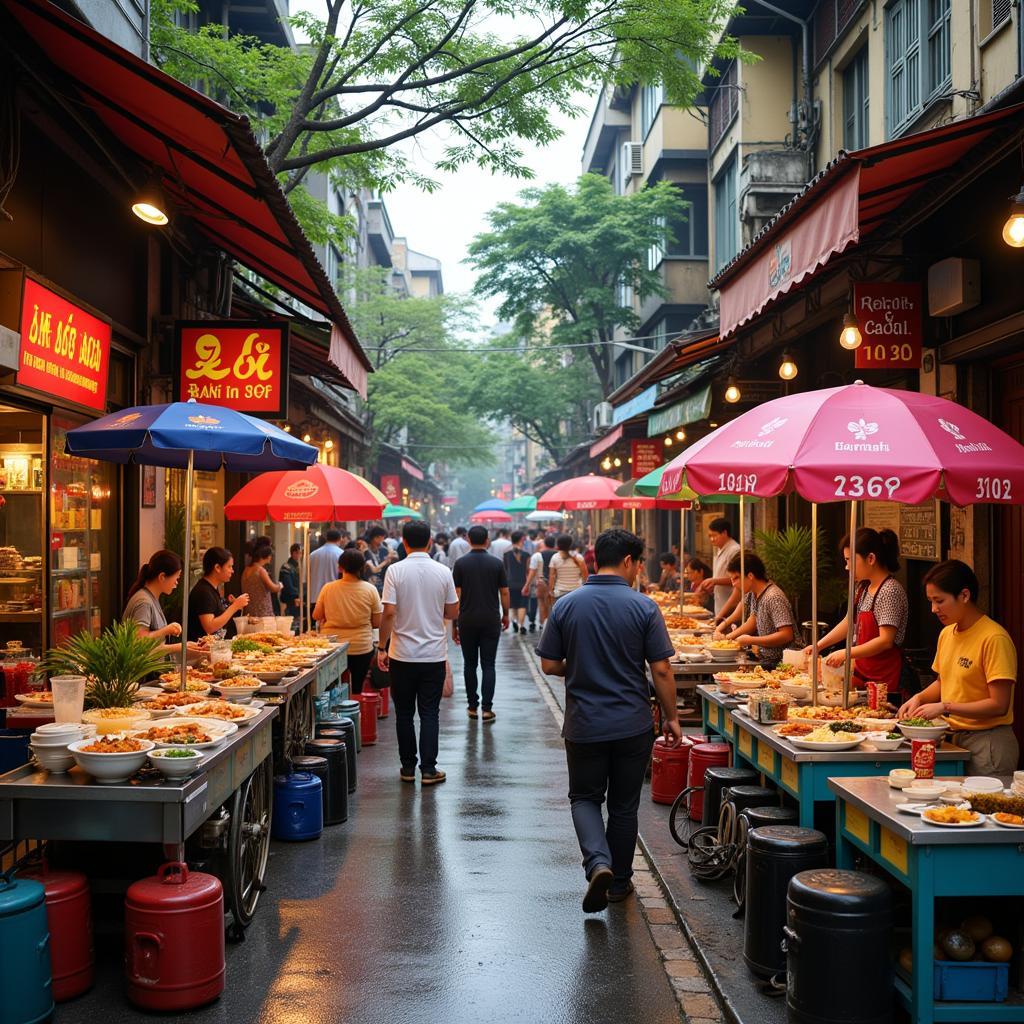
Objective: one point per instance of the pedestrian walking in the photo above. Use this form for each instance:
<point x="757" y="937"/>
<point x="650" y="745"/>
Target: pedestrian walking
<point x="482" y="586"/>
<point x="537" y="577"/>
<point x="323" y="564"/>
<point x="458" y="547"/>
<point x="598" y="638"/>
<point x="379" y="556"/>
<point x="500" y="544"/>
<point x="419" y="596"/>
<point x="566" y="571"/>
<point x="290" y="578"/>
<point x="351" y="609"/>
<point x="517" y="568"/>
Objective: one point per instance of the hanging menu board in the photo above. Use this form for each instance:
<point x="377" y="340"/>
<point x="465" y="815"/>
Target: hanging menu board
<point x="917" y="526"/>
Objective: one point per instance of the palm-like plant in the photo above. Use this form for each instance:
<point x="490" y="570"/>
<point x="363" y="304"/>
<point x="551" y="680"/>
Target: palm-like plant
<point x="787" y="557"/>
<point x="114" y="663"/>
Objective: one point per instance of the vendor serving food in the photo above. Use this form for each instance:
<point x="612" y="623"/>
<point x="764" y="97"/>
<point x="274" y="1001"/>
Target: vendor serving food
<point x="977" y="666"/>
<point x="208" y="609"/>
<point x="159" y="577"/>
<point x="881" y="604"/>
<point x="768" y="617"/>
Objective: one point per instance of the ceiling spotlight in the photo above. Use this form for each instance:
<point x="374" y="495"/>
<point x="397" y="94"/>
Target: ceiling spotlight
<point x="150" y="203"/>
<point x="1013" y="229"/>
<point x="850" y="337"/>
<point x="732" y="391"/>
<point x="787" y="368"/>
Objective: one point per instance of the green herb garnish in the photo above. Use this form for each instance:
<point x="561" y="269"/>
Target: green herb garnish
<point x="179" y="753"/>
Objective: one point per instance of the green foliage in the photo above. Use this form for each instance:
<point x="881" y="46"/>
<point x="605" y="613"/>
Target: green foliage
<point x="557" y="258"/>
<point x="787" y="557"/>
<point x="114" y="663"/>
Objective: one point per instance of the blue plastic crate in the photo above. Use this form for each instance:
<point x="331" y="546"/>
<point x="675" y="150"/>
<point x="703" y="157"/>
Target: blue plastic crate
<point x="13" y="749"/>
<point x="974" y="981"/>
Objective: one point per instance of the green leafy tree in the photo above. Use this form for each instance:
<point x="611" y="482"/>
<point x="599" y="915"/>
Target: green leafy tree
<point x="486" y="73"/>
<point x="559" y="257"/>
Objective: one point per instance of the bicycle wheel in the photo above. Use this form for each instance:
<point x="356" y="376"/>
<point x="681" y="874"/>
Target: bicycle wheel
<point x="682" y="827"/>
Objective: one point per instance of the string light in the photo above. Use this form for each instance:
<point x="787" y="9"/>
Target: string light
<point x="328" y="444"/>
<point x="1013" y="229"/>
<point x="850" y="336"/>
<point x="732" y="391"/>
<point x="668" y="442"/>
<point x="680" y="435"/>
<point x="787" y="368"/>
<point x="617" y="462"/>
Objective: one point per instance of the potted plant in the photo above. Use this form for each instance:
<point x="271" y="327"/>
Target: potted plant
<point x="114" y="663"/>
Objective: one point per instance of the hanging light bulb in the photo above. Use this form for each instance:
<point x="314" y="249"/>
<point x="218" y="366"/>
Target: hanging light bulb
<point x="150" y="203"/>
<point x="630" y="460"/>
<point x="616" y="462"/>
<point x="713" y="426"/>
<point x="328" y="445"/>
<point x="287" y="428"/>
<point x="307" y="437"/>
<point x="668" y="442"/>
<point x="732" y="391"/>
<point x="1013" y="229"/>
<point x="680" y="435"/>
<point x="787" y="368"/>
<point x="607" y="463"/>
<point x="850" y="337"/>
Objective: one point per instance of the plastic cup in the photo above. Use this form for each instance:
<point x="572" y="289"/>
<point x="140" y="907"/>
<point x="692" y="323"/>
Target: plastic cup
<point x="68" y="698"/>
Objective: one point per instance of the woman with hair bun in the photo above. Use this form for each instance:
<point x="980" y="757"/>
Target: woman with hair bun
<point x="158" y="577"/>
<point x="881" y="611"/>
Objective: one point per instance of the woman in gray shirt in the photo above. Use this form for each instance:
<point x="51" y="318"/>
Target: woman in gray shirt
<point x="159" y="576"/>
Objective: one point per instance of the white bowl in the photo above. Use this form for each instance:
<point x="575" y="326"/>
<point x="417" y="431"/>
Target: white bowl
<point x="110" y="768"/>
<point x="120" y="723"/>
<point x="879" y="741"/>
<point x="238" y="692"/>
<point x="54" y="759"/>
<point x="933" y="789"/>
<point x="175" y="767"/>
<point x="55" y="739"/>
<point x="724" y="653"/>
<point x="924" y="732"/>
<point x="982" y="784"/>
<point x="797" y="691"/>
<point x="900" y="778"/>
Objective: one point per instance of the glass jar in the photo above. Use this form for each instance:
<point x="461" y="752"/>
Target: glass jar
<point x="220" y="653"/>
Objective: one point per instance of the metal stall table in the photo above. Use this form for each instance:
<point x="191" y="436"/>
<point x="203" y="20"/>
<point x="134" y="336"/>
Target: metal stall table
<point x="804" y="774"/>
<point x="931" y="861"/>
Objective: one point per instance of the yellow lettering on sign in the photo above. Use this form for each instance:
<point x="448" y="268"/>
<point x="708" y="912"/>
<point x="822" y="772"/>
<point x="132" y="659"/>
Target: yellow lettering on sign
<point x="790" y="776"/>
<point x="857" y="824"/>
<point x="207" y="348"/>
<point x="746" y="742"/>
<point x="893" y="849"/>
<point x="765" y="757"/>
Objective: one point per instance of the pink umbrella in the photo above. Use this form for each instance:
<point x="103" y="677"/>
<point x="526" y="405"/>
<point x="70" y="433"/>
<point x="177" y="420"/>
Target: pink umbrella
<point x="855" y="443"/>
<point x="581" y="493"/>
<point x="493" y="515"/>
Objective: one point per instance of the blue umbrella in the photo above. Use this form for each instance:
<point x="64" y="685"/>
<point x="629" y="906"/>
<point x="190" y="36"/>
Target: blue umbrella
<point x="190" y="436"/>
<point x="491" y="505"/>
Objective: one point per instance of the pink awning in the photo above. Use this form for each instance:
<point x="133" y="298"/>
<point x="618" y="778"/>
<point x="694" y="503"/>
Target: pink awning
<point x="606" y="442"/>
<point x="828" y="227"/>
<point x="414" y="471"/>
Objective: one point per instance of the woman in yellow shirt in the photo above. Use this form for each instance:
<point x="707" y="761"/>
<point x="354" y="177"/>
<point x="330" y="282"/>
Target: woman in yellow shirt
<point x="977" y="666"/>
<point x="350" y="608"/>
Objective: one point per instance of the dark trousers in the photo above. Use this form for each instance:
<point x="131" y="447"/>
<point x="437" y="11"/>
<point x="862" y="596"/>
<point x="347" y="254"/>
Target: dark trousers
<point x="358" y="666"/>
<point x="417" y="685"/>
<point x="615" y="768"/>
<point x="531" y="610"/>
<point x="479" y="642"/>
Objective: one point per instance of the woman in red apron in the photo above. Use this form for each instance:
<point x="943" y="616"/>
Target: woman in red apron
<point x="881" y="612"/>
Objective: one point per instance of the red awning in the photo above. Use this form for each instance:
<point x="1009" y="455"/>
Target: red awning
<point x="851" y="198"/>
<point x="606" y="442"/>
<point x="212" y="166"/>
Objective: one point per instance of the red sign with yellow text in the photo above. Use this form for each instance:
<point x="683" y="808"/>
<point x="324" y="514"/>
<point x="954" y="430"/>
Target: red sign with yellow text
<point x="647" y="457"/>
<point x="890" y="314"/>
<point x="65" y="351"/>
<point x="240" y="364"/>
<point x="391" y="487"/>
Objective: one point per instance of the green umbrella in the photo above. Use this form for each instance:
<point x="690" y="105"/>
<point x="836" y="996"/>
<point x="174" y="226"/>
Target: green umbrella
<point x="399" y="512"/>
<point x="525" y="503"/>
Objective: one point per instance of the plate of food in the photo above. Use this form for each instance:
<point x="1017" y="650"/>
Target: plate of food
<point x="1004" y="820"/>
<point x="824" y="739"/>
<point x="221" y="710"/>
<point x="952" y="817"/>
<point x="110" y="759"/>
<point x="791" y="729"/>
<point x="188" y="732"/>
<point x="38" y="699"/>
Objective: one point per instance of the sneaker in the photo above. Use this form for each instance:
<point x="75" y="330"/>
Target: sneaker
<point x="407" y="774"/>
<point x="472" y="712"/>
<point x="617" y="893"/>
<point x="431" y="778"/>
<point x="488" y="716"/>
<point x="533" y="627"/>
<point x="515" y="627"/>
<point x="596" y="897"/>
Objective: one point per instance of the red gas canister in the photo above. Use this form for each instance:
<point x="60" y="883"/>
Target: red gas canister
<point x="385" y="701"/>
<point x="702" y="757"/>
<point x="69" y="920"/>
<point x="369" y="709"/>
<point x="174" y="939"/>
<point x="668" y="770"/>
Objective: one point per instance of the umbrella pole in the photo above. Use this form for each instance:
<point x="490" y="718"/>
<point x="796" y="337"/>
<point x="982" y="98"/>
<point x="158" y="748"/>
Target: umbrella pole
<point x="308" y="602"/>
<point x="682" y="555"/>
<point x="814" y="604"/>
<point x="850" y="609"/>
<point x="743" y="562"/>
<point x="636" y="581"/>
<point x="186" y="566"/>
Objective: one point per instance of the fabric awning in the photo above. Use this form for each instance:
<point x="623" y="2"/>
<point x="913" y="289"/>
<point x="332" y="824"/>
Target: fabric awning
<point x="852" y="197"/>
<point x="212" y="167"/>
<point x="606" y="442"/>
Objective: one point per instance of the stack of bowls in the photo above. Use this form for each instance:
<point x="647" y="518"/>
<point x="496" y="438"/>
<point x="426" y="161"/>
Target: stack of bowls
<point x="49" y="744"/>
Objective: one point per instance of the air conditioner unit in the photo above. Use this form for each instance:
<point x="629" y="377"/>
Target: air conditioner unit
<point x="633" y="157"/>
<point x="602" y="416"/>
<point x="954" y="285"/>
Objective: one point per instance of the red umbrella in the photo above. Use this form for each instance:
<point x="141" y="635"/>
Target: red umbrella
<point x="581" y="493"/>
<point x="490" y="516"/>
<point x="319" y="494"/>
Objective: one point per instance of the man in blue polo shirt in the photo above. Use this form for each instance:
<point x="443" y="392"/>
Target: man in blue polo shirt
<point x="599" y="637"/>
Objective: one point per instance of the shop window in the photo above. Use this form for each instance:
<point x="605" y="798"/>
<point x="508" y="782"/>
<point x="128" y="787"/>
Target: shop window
<point x="723" y="105"/>
<point x="727" y="224"/>
<point x="855" y="102"/>
<point x="22" y="527"/>
<point x="121" y="381"/>
<point x="916" y="58"/>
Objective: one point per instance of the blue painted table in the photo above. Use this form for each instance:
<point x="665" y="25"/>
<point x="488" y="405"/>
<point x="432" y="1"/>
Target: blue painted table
<point x="804" y="774"/>
<point x="931" y="861"/>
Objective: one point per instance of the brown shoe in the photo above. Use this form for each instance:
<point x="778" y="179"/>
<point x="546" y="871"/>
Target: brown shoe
<point x="431" y="778"/>
<point x="472" y="712"/>
<point x="488" y="716"/>
<point x="596" y="898"/>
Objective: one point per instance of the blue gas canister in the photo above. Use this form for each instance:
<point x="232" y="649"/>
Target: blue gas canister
<point x="298" y="807"/>
<point x="25" y="976"/>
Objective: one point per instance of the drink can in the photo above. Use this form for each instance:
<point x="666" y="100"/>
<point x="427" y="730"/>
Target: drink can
<point x="877" y="694"/>
<point x="922" y="758"/>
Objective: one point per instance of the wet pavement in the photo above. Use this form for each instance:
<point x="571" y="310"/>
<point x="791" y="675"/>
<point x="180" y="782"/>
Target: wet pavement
<point x="452" y="903"/>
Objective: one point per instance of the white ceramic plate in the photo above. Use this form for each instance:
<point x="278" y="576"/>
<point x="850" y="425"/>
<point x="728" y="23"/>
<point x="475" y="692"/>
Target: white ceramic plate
<point x="802" y="744"/>
<point x="915" y="808"/>
<point x="955" y="824"/>
<point x="1001" y="824"/>
<point x="219" y="735"/>
<point x="249" y="713"/>
<point x="30" y="700"/>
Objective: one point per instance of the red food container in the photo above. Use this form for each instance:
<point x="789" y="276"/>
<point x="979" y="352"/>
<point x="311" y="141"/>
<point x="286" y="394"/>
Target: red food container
<point x="369" y="709"/>
<point x="702" y="757"/>
<point x="174" y="939"/>
<point x="668" y="770"/>
<point x="69" y="920"/>
<point x="922" y="758"/>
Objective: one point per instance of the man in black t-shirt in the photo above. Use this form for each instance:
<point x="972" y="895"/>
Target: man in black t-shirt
<point x="482" y="586"/>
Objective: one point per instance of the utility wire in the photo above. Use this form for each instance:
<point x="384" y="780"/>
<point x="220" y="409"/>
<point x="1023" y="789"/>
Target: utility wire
<point x="523" y="349"/>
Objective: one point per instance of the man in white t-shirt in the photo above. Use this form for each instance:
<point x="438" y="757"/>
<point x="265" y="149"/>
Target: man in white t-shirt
<point x="419" y="596"/>
<point x="726" y="595"/>
<point x="500" y="545"/>
<point x="458" y="547"/>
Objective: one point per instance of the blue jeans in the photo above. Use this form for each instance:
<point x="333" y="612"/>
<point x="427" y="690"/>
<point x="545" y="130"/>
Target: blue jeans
<point x="479" y="642"/>
<point x="417" y="685"/>
<point x="615" y="768"/>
